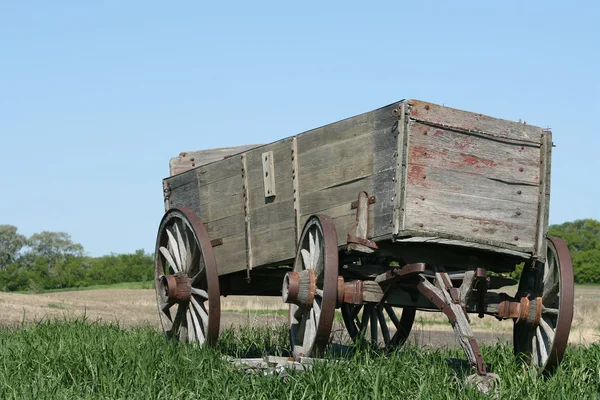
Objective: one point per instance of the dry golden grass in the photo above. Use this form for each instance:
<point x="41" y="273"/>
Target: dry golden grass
<point x="132" y="307"/>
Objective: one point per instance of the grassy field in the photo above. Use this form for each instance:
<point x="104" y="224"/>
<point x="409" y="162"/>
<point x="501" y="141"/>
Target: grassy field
<point x="78" y="359"/>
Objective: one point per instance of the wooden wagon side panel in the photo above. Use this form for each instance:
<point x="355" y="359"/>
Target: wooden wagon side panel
<point x="182" y="191"/>
<point x="220" y="187"/>
<point x="271" y="224"/>
<point x="338" y="161"/>
<point x="472" y="177"/>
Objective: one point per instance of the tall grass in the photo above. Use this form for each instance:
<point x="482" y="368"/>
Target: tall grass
<point x="83" y="359"/>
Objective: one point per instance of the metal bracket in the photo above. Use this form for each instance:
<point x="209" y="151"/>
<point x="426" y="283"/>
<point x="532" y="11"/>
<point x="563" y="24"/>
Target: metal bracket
<point x="357" y="235"/>
<point x="216" y="242"/>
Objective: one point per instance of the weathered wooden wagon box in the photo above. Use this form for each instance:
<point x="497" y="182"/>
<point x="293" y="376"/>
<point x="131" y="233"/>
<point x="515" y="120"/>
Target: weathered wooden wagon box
<point x="405" y="207"/>
<point x="434" y="174"/>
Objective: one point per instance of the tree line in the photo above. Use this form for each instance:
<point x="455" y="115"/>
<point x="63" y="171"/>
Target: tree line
<point x="51" y="260"/>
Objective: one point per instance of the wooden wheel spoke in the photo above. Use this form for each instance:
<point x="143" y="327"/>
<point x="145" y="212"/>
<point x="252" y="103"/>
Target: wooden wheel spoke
<point x="201" y="311"/>
<point x="550" y="293"/>
<point x="385" y="331"/>
<point x="182" y="250"/>
<point x="364" y="321"/>
<point x="392" y="314"/>
<point x="549" y="311"/>
<point x="317" y="256"/>
<point x="167" y="254"/>
<point x="316" y="306"/>
<point x="543" y="345"/>
<point x="200" y="336"/>
<point x="166" y="310"/>
<point x="534" y="350"/>
<point x="374" y="333"/>
<point x="548" y="331"/>
<point x="199" y="292"/>
<point x="355" y="311"/>
<point x="190" y="326"/>
<point x="174" y="249"/>
<point x="175" y="327"/>
<point x="307" y="331"/>
<point x="306" y="258"/>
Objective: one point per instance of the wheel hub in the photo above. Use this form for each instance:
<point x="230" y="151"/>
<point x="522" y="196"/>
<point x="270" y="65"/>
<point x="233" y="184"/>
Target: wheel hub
<point x="175" y="288"/>
<point x="299" y="288"/>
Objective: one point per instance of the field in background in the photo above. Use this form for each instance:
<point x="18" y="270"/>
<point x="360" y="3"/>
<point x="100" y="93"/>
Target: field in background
<point x="129" y="306"/>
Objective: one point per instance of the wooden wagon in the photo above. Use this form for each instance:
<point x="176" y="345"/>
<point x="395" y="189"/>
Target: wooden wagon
<point x="413" y="206"/>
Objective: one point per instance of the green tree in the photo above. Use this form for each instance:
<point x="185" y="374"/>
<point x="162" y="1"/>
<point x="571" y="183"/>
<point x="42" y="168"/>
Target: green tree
<point x="11" y="244"/>
<point x="583" y="239"/>
<point x="55" y="247"/>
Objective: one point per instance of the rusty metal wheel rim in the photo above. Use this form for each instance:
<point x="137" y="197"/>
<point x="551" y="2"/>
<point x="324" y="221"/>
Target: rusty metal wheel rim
<point x="184" y="257"/>
<point x="369" y="324"/>
<point x="310" y="326"/>
<point x="544" y="345"/>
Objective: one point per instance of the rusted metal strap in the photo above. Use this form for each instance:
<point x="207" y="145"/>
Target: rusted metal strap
<point x="479" y="363"/>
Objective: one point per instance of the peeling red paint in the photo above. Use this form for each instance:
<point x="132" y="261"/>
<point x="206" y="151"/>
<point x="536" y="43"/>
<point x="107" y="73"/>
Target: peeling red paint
<point x="477" y="162"/>
<point x="416" y="176"/>
<point x="425" y="153"/>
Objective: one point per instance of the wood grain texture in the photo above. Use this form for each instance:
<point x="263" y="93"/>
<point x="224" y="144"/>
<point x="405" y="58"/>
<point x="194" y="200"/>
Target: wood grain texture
<point x="544" y="196"/>
<point x="271" y="218"/>
<point x="472" y="186"/>
<point x="434" y="114"/>
<point x="471" y="216"/>
<point x="269" y="174"/>
<point x="340" y="160"/>
<point x="182" y="191"/>
<point x="401" y="164"/>
<point x="474" y="154"/>
<point x="220" y="186"/>
<point x="192" y="159"/>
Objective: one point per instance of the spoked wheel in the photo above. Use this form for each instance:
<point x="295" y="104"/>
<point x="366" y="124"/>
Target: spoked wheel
<point x="542" y="343"/>
<point x="187" y="284"/>
<point x="311" y="289"/>
<point x="371" y="323"/>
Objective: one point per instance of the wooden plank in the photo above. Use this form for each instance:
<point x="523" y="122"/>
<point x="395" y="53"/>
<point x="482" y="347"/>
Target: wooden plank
<point x="544" y="197"/>
<point x="401" y="161"/>
<point x="471" y="216"/>
<point x="463" y="152"/>
<point x="272" y="218"/>
<point x="249" y="258"/>
<point x="470" y="184"/>
<point x="295" y="188"/>
<point x="182" y="191"/>
<point x="192" y="159"/>
<point x="222" y="210"/>
<point x="269" y="174"/>
<point x="384" y="168"/>
<point x="273" y="236"/>
<point x="437" y="115"/>
<point x="344" y="159"/>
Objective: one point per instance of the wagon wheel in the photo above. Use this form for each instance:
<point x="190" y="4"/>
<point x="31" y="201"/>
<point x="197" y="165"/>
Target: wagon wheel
<point x="543" y="345"/>
<point x="187" y="284"/>
<point x="372" y="322"/>
<point x="311" y="289"/>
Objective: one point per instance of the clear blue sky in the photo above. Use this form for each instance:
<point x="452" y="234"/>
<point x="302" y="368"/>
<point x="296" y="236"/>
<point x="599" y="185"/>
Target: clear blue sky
<point x="97" y="96"/>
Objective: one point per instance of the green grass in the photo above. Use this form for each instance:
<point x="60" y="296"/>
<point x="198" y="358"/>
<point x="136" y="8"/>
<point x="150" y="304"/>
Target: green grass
<point x="83" y="360"/>
<point x="123" y="285"/>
